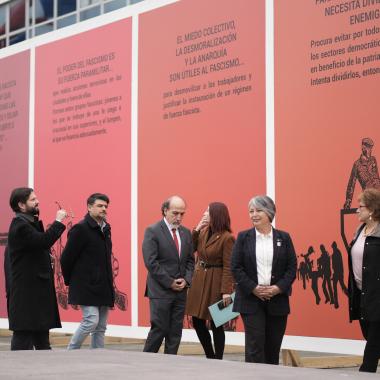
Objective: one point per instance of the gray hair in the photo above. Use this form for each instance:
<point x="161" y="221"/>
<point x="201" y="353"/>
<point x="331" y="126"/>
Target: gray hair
<point x="264" y="203"/>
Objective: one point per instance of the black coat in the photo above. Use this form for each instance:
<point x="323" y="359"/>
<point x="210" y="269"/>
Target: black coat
<point x="365" y="304"/>
<point x="244" y="270"/>
<point x="32" y="299"/>
<point x="8" y="276"/>
<point x="86" y="264"/>
<point x="7" y="272"/>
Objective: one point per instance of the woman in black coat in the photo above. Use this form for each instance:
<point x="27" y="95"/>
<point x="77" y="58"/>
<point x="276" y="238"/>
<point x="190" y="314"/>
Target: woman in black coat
<point x="364" y="277"/>
<point x="264" y="266"/>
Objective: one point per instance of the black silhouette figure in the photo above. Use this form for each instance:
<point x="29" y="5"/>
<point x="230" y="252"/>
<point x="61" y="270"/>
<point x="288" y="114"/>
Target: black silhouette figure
<point x="329" y="268"/>
<point x="324" y="266"/>
<point x="338" y="273"/>
<point x="313" y="273"/>
<point x="303" y="272"/>
<point x="364" y="170"/>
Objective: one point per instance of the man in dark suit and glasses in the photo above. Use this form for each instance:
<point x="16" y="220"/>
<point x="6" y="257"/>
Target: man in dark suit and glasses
<point x="168" y="256"/>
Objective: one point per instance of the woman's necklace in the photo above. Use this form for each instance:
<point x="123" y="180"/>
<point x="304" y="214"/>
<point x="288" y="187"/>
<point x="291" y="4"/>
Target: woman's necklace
<point x="369" y="231"/>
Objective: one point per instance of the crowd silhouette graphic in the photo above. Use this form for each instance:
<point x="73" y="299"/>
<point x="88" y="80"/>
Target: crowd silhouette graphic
<point x="326" y="269"/>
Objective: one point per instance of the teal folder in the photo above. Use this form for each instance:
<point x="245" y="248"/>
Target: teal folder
<point x="222" y="316"/>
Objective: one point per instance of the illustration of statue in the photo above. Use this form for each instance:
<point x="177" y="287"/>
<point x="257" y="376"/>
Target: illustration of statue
<point x="364" y="170"/>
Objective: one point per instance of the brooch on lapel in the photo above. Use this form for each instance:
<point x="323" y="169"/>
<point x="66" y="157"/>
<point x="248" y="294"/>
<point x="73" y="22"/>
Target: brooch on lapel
<point x="279" y="242"/>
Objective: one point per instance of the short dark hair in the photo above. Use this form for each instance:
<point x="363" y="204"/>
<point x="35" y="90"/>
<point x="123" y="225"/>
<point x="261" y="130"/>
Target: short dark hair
<point x="20" y="194"/>
<point x="94" y="197"/>
<point x="371" y="200"/>
<point x="219" y="217"/>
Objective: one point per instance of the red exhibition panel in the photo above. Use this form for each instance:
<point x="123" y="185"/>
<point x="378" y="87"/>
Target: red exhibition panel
<point x="326" y="104"/>
<point x="201" y="111"/>
<point x="14" y="139"/>
<point x="83" y="143"/>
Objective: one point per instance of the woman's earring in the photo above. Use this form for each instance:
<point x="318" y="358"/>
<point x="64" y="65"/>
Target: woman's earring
<point x="370" y="216"/>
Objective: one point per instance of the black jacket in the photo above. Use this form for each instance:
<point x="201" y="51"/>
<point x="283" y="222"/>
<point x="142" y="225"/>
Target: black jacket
<point x="244" y="270"/>
<point x="7" y="272"/>
<point x="86" y="264"/>
<point x="365" y="304"/>
<point x="32" y="299"/>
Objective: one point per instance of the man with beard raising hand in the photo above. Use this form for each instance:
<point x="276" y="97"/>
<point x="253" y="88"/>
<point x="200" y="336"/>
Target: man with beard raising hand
<point x="33" y="308"/>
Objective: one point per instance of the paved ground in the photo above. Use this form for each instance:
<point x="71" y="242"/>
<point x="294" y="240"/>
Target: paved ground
<point x="115" y="364"/>
<point x="120" y="345"/>
<point x="60" y="341"/>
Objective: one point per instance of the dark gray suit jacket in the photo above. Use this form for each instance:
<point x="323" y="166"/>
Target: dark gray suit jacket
<point x="163" y="262"/>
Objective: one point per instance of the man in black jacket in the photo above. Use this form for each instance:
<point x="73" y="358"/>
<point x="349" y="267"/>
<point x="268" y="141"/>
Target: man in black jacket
<point x="33" y="308"/>
<point x="87" y="270"/>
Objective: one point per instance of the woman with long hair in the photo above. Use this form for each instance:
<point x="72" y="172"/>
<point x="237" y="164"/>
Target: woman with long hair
<point x="212" y="279"/>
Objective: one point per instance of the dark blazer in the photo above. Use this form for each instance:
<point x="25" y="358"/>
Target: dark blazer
<point x="86" y="264"/>
<point x="32" y="299"/>
<point x="244" y="270"/>
<point x="365" y="304"/>
<point x="163" y="262"/>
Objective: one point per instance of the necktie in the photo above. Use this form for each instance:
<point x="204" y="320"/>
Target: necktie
<point x="175" y="239"/>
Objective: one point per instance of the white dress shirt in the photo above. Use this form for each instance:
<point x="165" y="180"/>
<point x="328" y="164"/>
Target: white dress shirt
<point x="264" y="257"/>
<point x="357" y="252"/>
<point x="170" y="227"/>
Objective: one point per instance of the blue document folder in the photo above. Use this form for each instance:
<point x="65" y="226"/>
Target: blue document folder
<point x="222" y="316"/>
